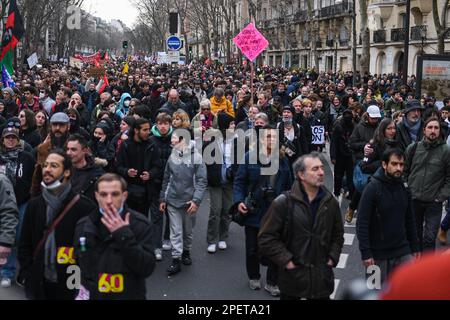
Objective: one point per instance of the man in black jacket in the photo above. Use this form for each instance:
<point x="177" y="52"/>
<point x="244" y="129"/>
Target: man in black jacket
<point x="385" y="228"/>
<point x="113" y="246"/>
<point x="340" y="153"/>
<point x="161" y="139"/>
<point x="85" y="171"/>
<point x="44" y="258"/>
<point x="138" y="162"/>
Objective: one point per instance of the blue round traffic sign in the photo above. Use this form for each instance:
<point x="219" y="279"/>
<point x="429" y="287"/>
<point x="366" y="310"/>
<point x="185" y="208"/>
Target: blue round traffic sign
<point x="174" y="43"/>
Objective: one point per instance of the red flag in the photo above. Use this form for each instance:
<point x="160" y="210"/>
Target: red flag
<point x="105" y="84"/>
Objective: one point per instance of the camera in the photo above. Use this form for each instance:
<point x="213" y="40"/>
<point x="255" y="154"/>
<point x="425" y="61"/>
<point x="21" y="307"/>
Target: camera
<point x="250" y="203"/>
<point x="269" y="194"/>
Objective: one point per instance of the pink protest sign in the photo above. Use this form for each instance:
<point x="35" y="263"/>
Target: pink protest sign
<point x="251" y="42"/>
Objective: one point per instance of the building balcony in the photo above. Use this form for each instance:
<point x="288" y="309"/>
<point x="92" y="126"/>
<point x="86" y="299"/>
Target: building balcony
<point x="301" y="16"/>
<point x="398" y="35"/>
<point x="379" y="36"/>
<point x="418" y="33"/>
<point x="344" y="7"/>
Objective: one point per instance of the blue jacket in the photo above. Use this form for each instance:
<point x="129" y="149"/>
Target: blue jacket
<point x="122" y="111"/>
<point x="247" y="178"/>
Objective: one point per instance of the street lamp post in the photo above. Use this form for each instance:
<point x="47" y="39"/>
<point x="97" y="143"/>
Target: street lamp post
<point x="406" y="45"/>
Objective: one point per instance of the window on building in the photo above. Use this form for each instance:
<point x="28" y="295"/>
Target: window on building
<point x="402" y="20"/>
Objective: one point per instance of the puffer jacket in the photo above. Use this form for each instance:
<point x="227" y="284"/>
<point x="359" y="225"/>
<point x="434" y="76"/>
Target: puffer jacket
<point x="9" y="214"/>
<point x="308" y="244"/>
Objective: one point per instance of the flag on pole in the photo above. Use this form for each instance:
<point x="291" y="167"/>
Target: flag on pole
<point x="126" y="68"/>
<point x="7" y="81"/>
<point x="12" y="33"/>
<point x="105" y="84"/>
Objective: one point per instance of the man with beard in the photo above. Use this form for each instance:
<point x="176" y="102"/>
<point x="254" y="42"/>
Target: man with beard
<point x="77" y="104"/>
<point x="428" y="175"/>
<point x="60" y="126"/>
<point x="85" y="171"/>
<point x="46" y="241"/>
<point x="385" y="227"/>
<point x="410" y="129"/>
<point x="12" y="110"/>
<point x="139" y="163"/>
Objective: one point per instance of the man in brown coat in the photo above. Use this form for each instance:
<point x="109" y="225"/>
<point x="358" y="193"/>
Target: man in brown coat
<point x="303" y="233"/>
<point x="60" y="125"/>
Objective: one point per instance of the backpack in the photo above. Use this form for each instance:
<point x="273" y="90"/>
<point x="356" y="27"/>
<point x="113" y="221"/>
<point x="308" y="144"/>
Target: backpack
<point x="360" y="179"/>
<point x="286" y="236"/>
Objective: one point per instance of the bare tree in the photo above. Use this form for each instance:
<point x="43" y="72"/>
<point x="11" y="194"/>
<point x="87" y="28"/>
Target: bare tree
<point x="154" y="14"/>
<point x="365" y="38"/>
<point x="440" y="23"/>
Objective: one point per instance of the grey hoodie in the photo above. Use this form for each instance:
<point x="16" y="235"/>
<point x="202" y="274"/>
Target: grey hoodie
<point x="185" y="178"/>
<point x="9" y="214"/>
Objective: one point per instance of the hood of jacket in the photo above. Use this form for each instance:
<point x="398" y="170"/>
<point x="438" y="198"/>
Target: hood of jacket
<point x="122" y="100"/>
<point x="158" y="134"/>
<point x="381" y="176"/>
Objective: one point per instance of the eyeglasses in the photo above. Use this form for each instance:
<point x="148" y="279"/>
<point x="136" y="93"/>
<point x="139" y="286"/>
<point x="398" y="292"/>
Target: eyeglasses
<point x="10" y="137"/>
<point x="206" y="109"/>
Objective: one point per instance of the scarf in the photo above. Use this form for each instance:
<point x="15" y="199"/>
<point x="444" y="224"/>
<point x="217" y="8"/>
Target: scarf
<point x="207" y="121"/>
<point x="9" y="159"/>
<point x="54" y="207"/>
<point x="413" y="129"/>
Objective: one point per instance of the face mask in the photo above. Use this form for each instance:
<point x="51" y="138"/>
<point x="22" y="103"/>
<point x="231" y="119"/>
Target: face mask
<point x="287" y="121"/>
<point x="41" y="96"/>
<point x="54" y="185"/>
<point x="127" y="103"/>
<point x="120" y="211"/>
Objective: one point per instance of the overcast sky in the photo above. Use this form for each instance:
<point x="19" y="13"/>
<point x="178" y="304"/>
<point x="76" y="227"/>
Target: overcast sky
<point x="112" y="9"/>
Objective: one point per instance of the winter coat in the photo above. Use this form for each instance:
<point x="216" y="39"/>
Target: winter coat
<point x="90" y="99"/>
<point x="34" y="226"/>
<point x="163" y="147"/>
<point x="362" y="134"/>
<point x="185" y="178"/>
<point x="83" y="180"/>
<point x="141" y="156"/>
<point x="224" y="105"/>
<point x="35" y="107"/>
<point x="9" y="214"/>
<point x="170" y="108"/>
<point x="372" y="163"/>
<point x="429" y="172"/>
<point x="32" y="137"/>
<point x="339" y="146"/>
<point x="385" y="226"/>
<point x="300" y="142"/>
<point x="403" y="136"/>
<point x="23" y="175"/>
<point x="308" y="243"/>
<point x="249" y="179"/>
<point x="126" y="254"/>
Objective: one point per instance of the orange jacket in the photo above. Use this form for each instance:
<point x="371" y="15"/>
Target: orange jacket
<point x="222" y="105"/>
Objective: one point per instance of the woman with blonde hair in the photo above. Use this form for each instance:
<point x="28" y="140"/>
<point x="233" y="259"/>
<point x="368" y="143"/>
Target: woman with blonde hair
<point x="181" y="120"/>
